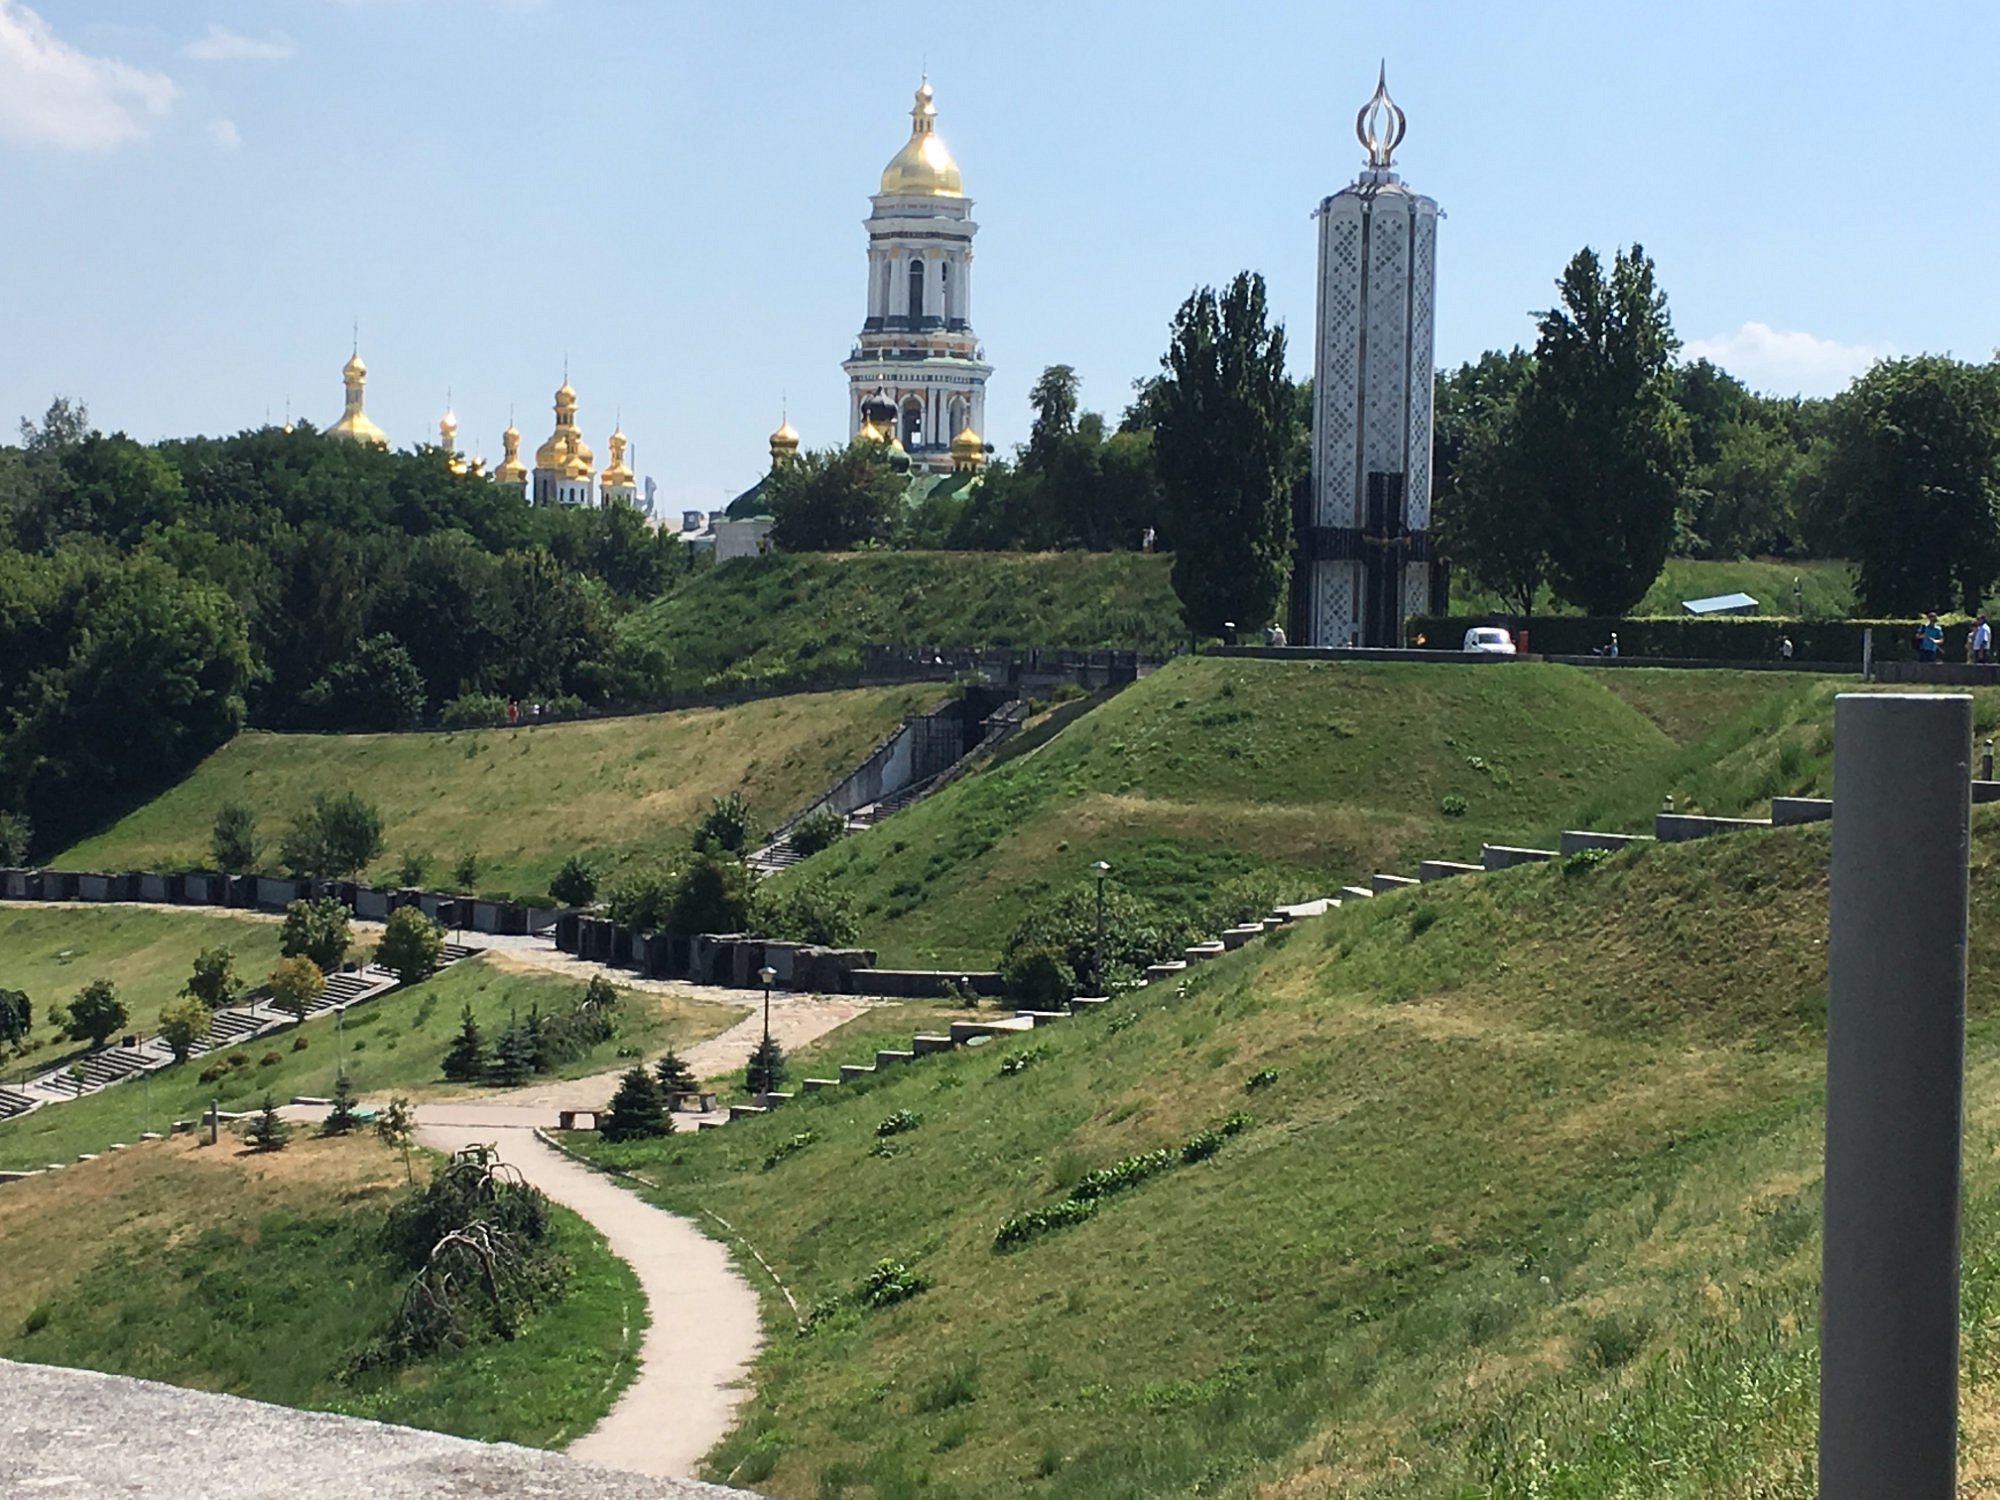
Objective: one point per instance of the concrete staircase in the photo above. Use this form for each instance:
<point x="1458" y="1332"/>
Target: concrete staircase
<point x="233" y="1026"/>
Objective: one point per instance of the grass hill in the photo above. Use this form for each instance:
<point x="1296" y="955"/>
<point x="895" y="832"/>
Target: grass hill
<point x="1218" y="775"/>
<point x="1826" y="588"/>
<point x="391" y="1045"/>
<point x="1527" y="1205"/>
<point x="791" y="615"/>
<point x="52" y="952"/>
<point x="521" y="799"/>
<point x="264" y="1276"/>
<point x="1214" y="769"/>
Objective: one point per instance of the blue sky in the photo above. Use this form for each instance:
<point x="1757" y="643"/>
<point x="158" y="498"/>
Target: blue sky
<point x="202" y="195"/>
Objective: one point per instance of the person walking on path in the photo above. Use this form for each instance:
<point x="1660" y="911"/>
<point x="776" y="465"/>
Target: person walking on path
<point x="1982" y="641"/>
<point x="1930" y="640"/>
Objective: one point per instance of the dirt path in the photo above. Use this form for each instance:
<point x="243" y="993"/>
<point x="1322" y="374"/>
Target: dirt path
<point x="702" y="1331"/>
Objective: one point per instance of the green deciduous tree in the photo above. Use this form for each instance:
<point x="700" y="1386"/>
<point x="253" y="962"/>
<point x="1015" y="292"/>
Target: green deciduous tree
<point x="295" y="983"/>
<point x="183" y="1024"/>
<point x="337" y="836"/>
<point x="1912" y="473"/>
<point x="575" y="884"/>
<point x="1226" y="442"/>
<point x="637" y="1111"/>
<point x="95" y="1014"/>
<point x="727" y="825"/>
<point x="836" y="499"/>
<point x="16" y="835"/>
<point x="1490" y="508"/>
<point x="16" y="1015"/>
<point x="411" y="945"/>
<point x="213" y="981"/>
<point x="375" y="687"/>
<point x="319" y="930"/>
<point x="1598" y="429"/>
<point x="232" y="843"/>
<point x="803" y="910"/>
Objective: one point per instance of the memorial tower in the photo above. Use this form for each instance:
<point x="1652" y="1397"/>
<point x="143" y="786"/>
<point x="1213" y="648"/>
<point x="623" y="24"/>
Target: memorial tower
<point x="1364" y="555"/>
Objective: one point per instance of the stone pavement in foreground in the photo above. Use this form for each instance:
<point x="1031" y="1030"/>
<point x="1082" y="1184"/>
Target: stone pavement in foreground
<point x="77" y="1432"/>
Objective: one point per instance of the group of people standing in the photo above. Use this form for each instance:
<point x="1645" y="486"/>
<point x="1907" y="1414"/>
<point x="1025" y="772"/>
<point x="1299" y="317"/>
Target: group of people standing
<point x="1930" y="641"/>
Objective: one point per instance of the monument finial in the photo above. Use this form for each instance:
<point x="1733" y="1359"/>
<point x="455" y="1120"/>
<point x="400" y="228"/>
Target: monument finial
<point x="1380" y="124"/>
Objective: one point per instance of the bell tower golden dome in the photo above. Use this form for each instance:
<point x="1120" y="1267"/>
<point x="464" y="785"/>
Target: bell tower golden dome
<point x="923" y="168"/>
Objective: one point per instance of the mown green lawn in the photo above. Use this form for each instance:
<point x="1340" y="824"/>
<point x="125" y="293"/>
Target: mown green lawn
<point x="1825" y="588"/>
<point x="1214" y="770"/>
<point x="790" y="615"/>
<point x="52" y="952"/>
<point x="391" y="1045"/>
<point x="264" y="1275"/>
<point x="519" y="800"/>
<point x="1528" y="1206"/>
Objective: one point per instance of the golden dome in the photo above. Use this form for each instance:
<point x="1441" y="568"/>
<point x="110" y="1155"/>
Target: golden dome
<point x="968" y="449"/>
<point x="870" y="433"/>
<point x="618" y="472"/>
<point x="448" y="427"/>
<point x="354" y="424"/>
<point x="784" y="444"/>
<point x="510" y="468"/>
<point x="923" y="168"/>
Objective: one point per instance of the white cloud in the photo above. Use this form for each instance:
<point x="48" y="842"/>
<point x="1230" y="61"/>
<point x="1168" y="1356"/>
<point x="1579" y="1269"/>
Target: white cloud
<point x="224" y="134"/>
<point x="1786" y="361"/>
<point x="55" y="95"/>
<point x="220" y="44"/>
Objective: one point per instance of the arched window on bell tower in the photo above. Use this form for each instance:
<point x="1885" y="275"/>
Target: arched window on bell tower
<point x="916" y="290"/>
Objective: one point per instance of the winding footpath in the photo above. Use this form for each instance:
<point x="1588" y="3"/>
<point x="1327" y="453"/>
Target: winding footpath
<point x="703" y="1330"/>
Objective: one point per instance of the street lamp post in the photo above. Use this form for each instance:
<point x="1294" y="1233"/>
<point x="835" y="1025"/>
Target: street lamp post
<point x="767" y="974"/>
<point x="1100" y="870"/>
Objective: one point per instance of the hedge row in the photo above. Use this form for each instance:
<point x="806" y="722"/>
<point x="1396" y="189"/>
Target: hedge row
<point x="1730" y="638"/>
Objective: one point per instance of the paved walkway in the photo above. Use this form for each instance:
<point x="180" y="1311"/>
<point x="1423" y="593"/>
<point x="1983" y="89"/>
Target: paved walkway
<point x="704" y="1330"/>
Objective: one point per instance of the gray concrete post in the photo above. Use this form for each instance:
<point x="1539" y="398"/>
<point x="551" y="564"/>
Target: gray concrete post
<point x="1894" y="1091"/>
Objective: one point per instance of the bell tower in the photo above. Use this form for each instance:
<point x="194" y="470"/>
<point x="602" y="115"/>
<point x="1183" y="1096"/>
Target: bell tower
<point x="917" y="372"/>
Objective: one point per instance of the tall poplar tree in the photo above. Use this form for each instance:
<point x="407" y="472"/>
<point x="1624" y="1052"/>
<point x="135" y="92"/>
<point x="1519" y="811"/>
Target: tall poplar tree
<point x="1226" y="442"/>
<point x="1598" y="427"/>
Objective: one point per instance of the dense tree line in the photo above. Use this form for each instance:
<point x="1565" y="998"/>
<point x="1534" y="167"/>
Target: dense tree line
<point x="154" y="598"/>
<point x="1580" y="467"/>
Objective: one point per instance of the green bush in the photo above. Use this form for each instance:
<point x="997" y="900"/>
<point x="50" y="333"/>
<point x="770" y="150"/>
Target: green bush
<point x="787" y="1148"/>
<point x="575" y="883"/>
<point x="891" y="1282"/>
<point x="807" y="911"/>
<point x="1136" y="933"/>
<point x="819" y="829"/>
<point x="473" y="711"/>
<point x="1452" y="805"/>
<point x="1037" y="978"/>
<point x="901" y="1121"/>
<point x="726" y="826"/>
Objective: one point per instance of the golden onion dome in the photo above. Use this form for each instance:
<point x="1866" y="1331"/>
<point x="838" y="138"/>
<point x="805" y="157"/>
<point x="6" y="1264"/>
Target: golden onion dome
<point x="785" y="437"/>
<point x="923" y="168"/>
<point x="618" y="471"/>
<point x="354" y="370"/>
<point x="968" y="449"/>
<point x="554" y="453"/>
